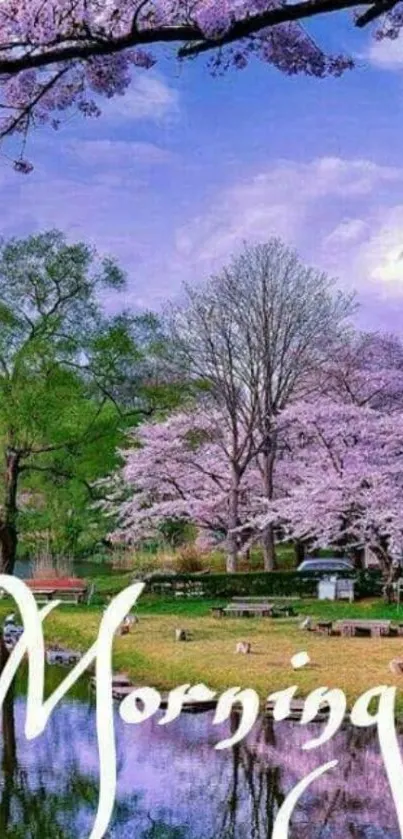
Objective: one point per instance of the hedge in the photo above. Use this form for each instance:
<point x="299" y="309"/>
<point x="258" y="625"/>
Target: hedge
<point x="272" y="584"/>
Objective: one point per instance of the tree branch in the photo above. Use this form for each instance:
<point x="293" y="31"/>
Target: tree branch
<point x="60" y="473"/>
<point x="375" y="11"/>
<point x="83" y="51"/>
<point x="256" y="23"/>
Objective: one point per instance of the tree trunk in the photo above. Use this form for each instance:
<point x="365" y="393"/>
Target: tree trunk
<point x="8" y="544"/>
<point x="269" y="550"/>
<point x="233" y="522"/>
<point x="382" y="554"/>
<point x="9" y="760"/>
<point x="232" y="555"/>
<point x="8" y="524"/>
<point x="299" y="552"/>
<point x="358" y="557"/>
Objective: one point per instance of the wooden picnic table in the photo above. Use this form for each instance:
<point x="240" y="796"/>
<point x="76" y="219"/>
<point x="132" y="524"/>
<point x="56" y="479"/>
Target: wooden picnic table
<point x="376" y="628"/>
<point x="325" y="627"/>
<point x="252" y="606"/>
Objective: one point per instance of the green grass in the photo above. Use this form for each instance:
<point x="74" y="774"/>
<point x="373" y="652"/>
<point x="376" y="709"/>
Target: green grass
<point x="193" y="607"/>
<point x="151" y="655"/>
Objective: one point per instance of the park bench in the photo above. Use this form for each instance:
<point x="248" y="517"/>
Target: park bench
<point x="324" y="627"/>
<point x="67" y="589"/>
<point x="253" y="606"/>
<point x="180" y="589"/>
<point x="189" y="589"/>
<point x="374" y="628"/>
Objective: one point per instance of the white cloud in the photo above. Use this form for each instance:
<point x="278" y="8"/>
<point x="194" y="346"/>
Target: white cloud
<point x="387" y="54"/>
<point x="148" y="98"/>
<point x="349" y="231"/>
<point x="346" y="216"/>
<point x="341" y="177"/>
<point x="118" y="153"/>
<point x="380" y="258"/>
<point x="292" y="200"/>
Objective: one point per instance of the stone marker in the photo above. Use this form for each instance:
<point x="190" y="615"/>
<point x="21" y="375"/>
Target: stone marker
<point x="243" y="647"/>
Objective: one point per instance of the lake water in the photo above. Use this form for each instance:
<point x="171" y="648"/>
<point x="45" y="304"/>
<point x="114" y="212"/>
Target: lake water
<point x="173" y="784"/>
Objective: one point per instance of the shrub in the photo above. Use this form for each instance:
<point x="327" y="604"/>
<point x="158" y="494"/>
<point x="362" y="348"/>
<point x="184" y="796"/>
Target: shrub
<point x="264" y="584"/>
<point x="122" y="560"/>
<point x="44" y="566"/>
<point x="189" y="560"/>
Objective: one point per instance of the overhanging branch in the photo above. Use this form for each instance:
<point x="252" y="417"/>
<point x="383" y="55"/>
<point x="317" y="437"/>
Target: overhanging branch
<point x="188" y="34"/>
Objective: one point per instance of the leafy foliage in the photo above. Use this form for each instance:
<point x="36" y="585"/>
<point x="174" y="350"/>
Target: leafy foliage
<point x="71" y="381"/>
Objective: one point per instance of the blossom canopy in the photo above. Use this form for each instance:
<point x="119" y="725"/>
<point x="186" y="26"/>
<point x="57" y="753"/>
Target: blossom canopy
<point x="66" y="53"/>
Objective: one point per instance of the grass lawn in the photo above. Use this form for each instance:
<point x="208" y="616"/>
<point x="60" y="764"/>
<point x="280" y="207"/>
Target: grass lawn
<point x="151" y="655"/>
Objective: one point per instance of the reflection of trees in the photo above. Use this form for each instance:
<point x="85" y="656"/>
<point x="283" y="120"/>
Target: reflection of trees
<point x="180" y="788"/>
<point x="159" y="830"/>
<point x="353" y="798"/>
<point x="49" y="788"/>
<point x="36" y="810"/>
<point x="30" y="807"/>
<point x="255" y="793"/>
<point x="9" y="762"/>
<point x="351" y="801"/>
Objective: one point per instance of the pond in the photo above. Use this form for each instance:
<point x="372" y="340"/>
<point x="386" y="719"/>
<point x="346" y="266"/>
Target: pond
<point x="80" y="568"/>
<point x="173" y="784"/>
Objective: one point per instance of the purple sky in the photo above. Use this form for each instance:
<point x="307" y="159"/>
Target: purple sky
<point x="178" y="173"/>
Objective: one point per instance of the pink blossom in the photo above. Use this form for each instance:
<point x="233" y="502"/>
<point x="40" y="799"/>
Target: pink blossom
<point x="54" y="55"/>
<point x="179" y="468"/>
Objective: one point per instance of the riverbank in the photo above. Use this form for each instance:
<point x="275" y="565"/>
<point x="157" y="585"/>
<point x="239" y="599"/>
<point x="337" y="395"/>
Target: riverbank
<point x="150" y="655"/>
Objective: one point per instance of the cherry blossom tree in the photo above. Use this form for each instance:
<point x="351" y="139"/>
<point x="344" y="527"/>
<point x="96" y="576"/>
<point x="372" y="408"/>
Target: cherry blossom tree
<point x="342" y="465"/>
<point x="254" y="335"/>
<point x="337" y="477"/>
<point x="180" y="469"/>
<point x="62" y="54"/>
<point x="364" y="369"/>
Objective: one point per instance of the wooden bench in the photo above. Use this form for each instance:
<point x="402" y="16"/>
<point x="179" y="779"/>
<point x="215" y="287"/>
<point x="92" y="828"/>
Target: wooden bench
<point x="325" y="627"/>
<point x="374" y="628"/>
<point x="193" y="588"/>
<point x="254" y="606"/>
<point x="217" y="612"/>
<point x="68" y="589"/>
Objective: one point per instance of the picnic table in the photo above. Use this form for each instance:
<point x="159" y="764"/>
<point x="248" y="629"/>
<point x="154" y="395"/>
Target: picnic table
<point x="325" y="627"/>
<point x="240" y="607"/>
<point x="375" y="628"/>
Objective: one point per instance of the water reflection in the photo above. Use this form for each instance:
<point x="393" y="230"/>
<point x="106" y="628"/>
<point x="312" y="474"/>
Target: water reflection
<point x="172" y="784"/>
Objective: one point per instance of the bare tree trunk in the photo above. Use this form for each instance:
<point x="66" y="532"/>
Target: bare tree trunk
<point x="269" y="547"/>
<point x="8" y="525"/>
<point x="269" y="550"/>
<point x="358" y="557"/>
<point x="383" y="556"/>
<point x="233" y="521"/>
<point x="299" y="552"/>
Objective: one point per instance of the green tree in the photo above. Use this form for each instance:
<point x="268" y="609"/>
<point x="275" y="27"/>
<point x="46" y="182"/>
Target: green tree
<point x="71" y="379"/>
